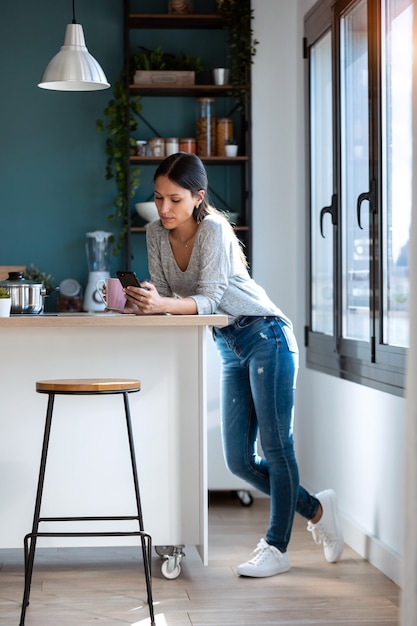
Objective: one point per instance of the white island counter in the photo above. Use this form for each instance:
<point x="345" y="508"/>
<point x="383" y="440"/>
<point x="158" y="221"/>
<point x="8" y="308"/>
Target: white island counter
<point x="88" y="470"/>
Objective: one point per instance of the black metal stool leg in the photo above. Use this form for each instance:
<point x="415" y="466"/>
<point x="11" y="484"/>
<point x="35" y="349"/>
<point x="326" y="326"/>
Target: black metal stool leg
<point x="147" y="554"/>
<point x="31" y="538"/>
<point x="30" y="551"/>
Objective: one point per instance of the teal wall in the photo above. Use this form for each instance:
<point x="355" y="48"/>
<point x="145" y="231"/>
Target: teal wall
<point x="52" y="184"/>
<point x="52" y="176"/>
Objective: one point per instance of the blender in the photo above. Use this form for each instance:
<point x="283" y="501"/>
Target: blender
<point x="98" y="250"/>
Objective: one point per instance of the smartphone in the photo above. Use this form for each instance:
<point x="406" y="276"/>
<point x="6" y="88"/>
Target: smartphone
<point x="128" y="278"/>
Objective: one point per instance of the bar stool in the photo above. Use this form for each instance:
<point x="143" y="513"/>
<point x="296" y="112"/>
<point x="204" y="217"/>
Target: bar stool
<point x="83" y="387"/>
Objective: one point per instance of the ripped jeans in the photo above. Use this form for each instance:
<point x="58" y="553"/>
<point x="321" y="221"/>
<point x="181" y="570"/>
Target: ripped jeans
<point x="259" y="372"/>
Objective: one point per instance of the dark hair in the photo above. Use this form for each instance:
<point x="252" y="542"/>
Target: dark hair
<point x="187" y="171"/>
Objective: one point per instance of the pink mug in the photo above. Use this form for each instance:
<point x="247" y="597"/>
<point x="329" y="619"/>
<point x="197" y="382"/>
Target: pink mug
<point x="112" y="294"/>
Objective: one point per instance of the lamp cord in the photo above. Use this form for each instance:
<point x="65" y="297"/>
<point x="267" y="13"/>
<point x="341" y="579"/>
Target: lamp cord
<point x="74" y="21"/>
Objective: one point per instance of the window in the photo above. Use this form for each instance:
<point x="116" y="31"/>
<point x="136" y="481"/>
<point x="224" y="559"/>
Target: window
<point x="359" y="77"/>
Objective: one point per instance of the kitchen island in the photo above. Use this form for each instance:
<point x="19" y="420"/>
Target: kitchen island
<point x="88" y="470"/>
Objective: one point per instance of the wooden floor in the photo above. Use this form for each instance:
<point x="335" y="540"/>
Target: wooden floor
<point x="105" y="586"/>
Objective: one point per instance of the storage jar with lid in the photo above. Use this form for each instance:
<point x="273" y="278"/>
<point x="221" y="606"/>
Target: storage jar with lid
<point x="69" y="298"/>
<point x="156" y="146"/>
<point x="206" y="127"/>
<point x="171" y="145"/>
<point x="187" y="144"/>
<point x="224" y="132"/>
<point x="141" y="147"/>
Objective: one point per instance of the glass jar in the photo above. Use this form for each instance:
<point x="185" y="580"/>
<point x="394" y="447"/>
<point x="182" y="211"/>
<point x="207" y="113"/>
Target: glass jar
<point x="156" y="147"/>
<point x="224" y="132"/>
<point x="171" y="145"/>
<point x="206" y="127"/>
<point x="187" y="144"/>
<point x="141" y="147"/>
<point x="69" y="298"/>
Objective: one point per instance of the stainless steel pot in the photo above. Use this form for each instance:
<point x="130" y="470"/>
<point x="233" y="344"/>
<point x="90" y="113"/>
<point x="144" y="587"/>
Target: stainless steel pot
<point x="27" y="296"/>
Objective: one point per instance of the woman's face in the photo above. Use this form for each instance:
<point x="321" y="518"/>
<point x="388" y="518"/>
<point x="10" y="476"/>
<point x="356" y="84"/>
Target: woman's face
<point x="174" y="203"/>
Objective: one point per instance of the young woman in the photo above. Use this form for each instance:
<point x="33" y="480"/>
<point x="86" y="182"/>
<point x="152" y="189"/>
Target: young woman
<point x="197" y="267"/>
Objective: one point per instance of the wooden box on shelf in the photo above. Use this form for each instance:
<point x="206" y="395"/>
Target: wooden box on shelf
<point x="164" y="77"/>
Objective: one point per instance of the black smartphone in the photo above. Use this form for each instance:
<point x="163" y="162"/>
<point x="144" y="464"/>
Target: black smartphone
<point x="128" y="278"/>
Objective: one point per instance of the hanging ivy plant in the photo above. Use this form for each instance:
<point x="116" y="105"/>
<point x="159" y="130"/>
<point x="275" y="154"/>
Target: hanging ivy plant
<point x="238" y="16"/>
<point x="120" y="114"/>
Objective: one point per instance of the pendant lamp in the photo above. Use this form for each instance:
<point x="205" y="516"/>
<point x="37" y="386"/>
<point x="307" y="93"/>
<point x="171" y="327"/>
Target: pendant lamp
<point x="73" y="68"/>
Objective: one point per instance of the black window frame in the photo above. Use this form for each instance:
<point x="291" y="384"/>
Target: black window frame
<point x="374" y="364"/>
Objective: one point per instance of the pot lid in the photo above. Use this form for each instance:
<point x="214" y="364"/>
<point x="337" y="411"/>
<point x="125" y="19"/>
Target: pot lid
<point x="16" y="278"/>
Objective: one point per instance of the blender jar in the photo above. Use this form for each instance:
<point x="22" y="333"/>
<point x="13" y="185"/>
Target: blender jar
<point x="98" y="248"/>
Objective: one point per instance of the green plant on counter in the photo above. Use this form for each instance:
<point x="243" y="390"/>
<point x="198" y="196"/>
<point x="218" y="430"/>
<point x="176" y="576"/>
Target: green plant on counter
<point x="231" y="141"/>
<point x="238" y="17"/>
<point x="34" y="273"/>
<point x="119" y="115"/>
<point x="4" y="292"/>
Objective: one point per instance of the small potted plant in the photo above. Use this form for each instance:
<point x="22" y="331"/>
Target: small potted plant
<point x="157" y="66"/>
<point x="5" y="302"/>
<point x="231" y="147"/>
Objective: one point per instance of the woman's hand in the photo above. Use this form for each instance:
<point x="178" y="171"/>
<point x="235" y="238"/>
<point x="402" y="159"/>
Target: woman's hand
<point x="144" y="300"/>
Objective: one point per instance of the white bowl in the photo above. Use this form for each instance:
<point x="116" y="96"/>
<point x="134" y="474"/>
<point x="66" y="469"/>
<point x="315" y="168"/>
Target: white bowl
<point x="147" y="211"/>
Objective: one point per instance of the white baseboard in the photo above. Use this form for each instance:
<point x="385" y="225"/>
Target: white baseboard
<point x="374" y="551"/>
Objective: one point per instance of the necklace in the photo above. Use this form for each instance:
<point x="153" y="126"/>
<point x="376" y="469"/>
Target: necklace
<point x="186" y="242"/>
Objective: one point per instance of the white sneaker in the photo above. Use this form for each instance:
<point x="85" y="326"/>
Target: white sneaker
<point x="328" y="530"/>
<point x="268" y="561"/>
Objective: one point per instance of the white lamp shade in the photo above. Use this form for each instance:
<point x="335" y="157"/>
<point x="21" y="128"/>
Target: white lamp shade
<point x="73" y="68"/>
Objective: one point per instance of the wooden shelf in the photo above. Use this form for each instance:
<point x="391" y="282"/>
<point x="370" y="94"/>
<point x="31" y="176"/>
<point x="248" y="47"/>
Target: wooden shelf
<point x="186" y="90"/>
<point x="214" y="160"/>
<point x="163" y="20"/>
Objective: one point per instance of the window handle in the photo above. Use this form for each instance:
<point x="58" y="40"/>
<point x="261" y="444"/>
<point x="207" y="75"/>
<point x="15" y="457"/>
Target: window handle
<point x="329" y="209"/>
<point x="368" y="195"/>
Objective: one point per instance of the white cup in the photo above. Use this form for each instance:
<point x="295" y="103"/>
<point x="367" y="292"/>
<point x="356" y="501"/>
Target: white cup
<point x="112" y="294"/>
<point x="221" y="75"/>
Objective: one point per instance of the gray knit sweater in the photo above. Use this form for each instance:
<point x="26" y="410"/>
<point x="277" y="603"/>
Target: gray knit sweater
<point x="216" y="277"/>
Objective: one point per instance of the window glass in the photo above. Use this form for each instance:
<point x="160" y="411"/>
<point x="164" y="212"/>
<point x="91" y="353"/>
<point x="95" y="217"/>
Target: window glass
<point x="397" y="55"/>
<point x="354" y="172"/>
<point x="321" y="144"/>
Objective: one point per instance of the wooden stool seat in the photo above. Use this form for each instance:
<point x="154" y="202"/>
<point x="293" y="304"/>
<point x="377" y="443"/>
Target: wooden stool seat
<point x="86" y="386"/>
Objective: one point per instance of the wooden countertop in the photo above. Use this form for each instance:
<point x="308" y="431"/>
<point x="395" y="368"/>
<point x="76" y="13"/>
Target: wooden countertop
<point x="53" y="320"/>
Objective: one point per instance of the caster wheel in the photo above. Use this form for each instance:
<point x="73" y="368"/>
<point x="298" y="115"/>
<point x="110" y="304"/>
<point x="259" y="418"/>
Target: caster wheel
<point x="164" y="550"/>
<point x="245" y="498"/>
<point x="170" y="570"/>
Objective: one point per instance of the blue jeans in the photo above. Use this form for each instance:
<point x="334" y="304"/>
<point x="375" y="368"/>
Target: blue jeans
<point x="259" y="372"/>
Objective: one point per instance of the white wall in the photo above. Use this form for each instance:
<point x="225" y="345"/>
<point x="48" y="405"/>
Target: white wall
<point x="348" y="437"/>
